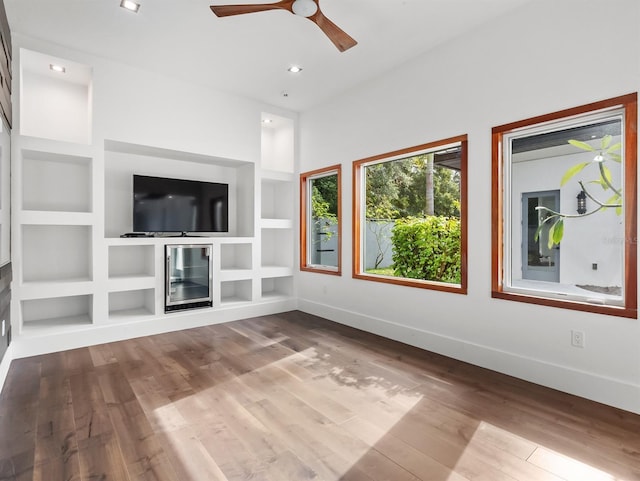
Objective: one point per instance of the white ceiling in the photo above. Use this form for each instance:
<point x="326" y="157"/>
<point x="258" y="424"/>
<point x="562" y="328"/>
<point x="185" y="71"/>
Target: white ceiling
<point x="249" y="54"/>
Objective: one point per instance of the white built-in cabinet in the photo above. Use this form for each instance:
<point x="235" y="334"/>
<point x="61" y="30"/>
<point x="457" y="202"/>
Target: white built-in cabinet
<point x="72" y="200"/>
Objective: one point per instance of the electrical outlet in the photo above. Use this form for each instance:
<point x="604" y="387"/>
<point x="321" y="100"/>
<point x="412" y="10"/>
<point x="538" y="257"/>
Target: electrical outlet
<point x="577" y="338"/>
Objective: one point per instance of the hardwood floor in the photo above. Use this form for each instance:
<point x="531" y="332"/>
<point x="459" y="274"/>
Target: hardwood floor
<point x="295" y="397"/>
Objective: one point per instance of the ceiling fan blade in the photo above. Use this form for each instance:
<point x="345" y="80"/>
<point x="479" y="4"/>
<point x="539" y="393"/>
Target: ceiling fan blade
<point x="228" y="10"/>
<point x="338" y="36"/>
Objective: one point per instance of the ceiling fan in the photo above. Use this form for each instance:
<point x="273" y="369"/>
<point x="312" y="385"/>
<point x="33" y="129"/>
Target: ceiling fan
<point x="305" y="8"/>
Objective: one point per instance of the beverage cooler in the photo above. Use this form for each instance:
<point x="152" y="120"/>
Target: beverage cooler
<point x="188" y="277"/>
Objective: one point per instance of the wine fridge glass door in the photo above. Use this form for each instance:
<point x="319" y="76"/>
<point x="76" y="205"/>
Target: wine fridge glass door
<point x="188" y="275"/>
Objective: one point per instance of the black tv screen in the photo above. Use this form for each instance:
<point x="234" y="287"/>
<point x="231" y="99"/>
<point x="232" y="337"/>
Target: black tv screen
<point x="176" y="205"/>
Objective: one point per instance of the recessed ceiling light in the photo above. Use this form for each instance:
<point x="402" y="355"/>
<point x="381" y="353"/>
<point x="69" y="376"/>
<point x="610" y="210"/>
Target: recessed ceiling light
<point x="266" y="121"/>
<point x="130" y="5"/>
<point x="295" y="69"/>
<point x="57" y="68"/>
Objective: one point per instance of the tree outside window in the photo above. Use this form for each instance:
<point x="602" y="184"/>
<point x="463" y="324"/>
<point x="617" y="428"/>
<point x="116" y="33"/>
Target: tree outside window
<point x="320" y="220"/>
<point x="410" y="209"/>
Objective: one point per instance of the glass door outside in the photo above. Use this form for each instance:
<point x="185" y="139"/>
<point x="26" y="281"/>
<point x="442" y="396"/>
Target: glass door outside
<point x="539" y="262"/>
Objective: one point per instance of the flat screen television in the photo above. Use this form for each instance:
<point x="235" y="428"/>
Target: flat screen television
<point x="176" y="205"/>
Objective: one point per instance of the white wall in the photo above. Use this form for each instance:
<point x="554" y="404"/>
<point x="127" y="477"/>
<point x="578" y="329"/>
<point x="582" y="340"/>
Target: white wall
<point x="137" y="106"/>
<point x="546" y="56"/>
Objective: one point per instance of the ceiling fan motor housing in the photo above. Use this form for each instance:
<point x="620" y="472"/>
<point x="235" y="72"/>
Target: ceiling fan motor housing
<point x="304" y="8"/>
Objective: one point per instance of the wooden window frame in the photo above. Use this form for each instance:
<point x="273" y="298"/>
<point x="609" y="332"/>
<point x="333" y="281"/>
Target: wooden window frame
<point x="304" y="195"/>
<point x="630" y="105"/>
<point x="357" y="211"/>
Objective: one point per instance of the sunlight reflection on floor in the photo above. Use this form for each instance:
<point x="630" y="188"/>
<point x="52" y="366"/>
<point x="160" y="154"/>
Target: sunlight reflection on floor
<point x="524" y="459"/>
<point x="267" y="412"/>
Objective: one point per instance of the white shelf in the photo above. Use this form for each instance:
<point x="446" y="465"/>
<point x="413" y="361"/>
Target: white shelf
<point x="275" y="271"/>
<point x="54" y="313"/>
<point x="148" y="151"/>
<point x="234" y="302"/>
<point x="131" y="283"/>
<point x="272" y="296"/>
<point x="55" y="147"/>
<point x="62" y="288"/>
<point x="126" y="315"/>
<point x="235" y="274"/>
<point x="131" y="241"/>
<point x="235" y="291"/>
<point x="276" y="176"/>
<point x="276" y="223"/>
<point x="56" y="325"/>
<point x="233" y="240"/>
<point x="277" y="288"/>
<point x="161" y="240"/>
<point x="33" y="217"/>
<point x="134" y="303"/>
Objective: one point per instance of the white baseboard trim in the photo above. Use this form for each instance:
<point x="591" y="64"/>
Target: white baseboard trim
<point x="26" y="345"/>
<point x="612" y="392"/>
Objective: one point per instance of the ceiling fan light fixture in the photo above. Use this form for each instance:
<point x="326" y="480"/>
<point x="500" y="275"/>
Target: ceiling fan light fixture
<point x="130" y="5"/>
<point x="304" y="8"/>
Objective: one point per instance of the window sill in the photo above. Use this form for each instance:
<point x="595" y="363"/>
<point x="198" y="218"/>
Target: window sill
<point x="332" y="271"/>
<point x="404" y="281"/>
<point x="576" y="305"/>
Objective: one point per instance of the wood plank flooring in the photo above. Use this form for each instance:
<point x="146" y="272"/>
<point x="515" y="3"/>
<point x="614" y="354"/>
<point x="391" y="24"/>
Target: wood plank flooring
<point x="295" y="397"/>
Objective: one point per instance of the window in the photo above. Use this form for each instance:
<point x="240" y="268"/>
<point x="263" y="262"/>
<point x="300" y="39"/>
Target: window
<point x="409" y="216"/>
<point x="320" y="206"/>
<point x="565" y="209"/>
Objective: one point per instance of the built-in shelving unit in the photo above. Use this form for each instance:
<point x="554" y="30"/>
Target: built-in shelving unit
<point x="53" y="232"/>
<point x="277" y="234"/>
<point x="277" y="209"/>
<point x="74" y="273"/>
